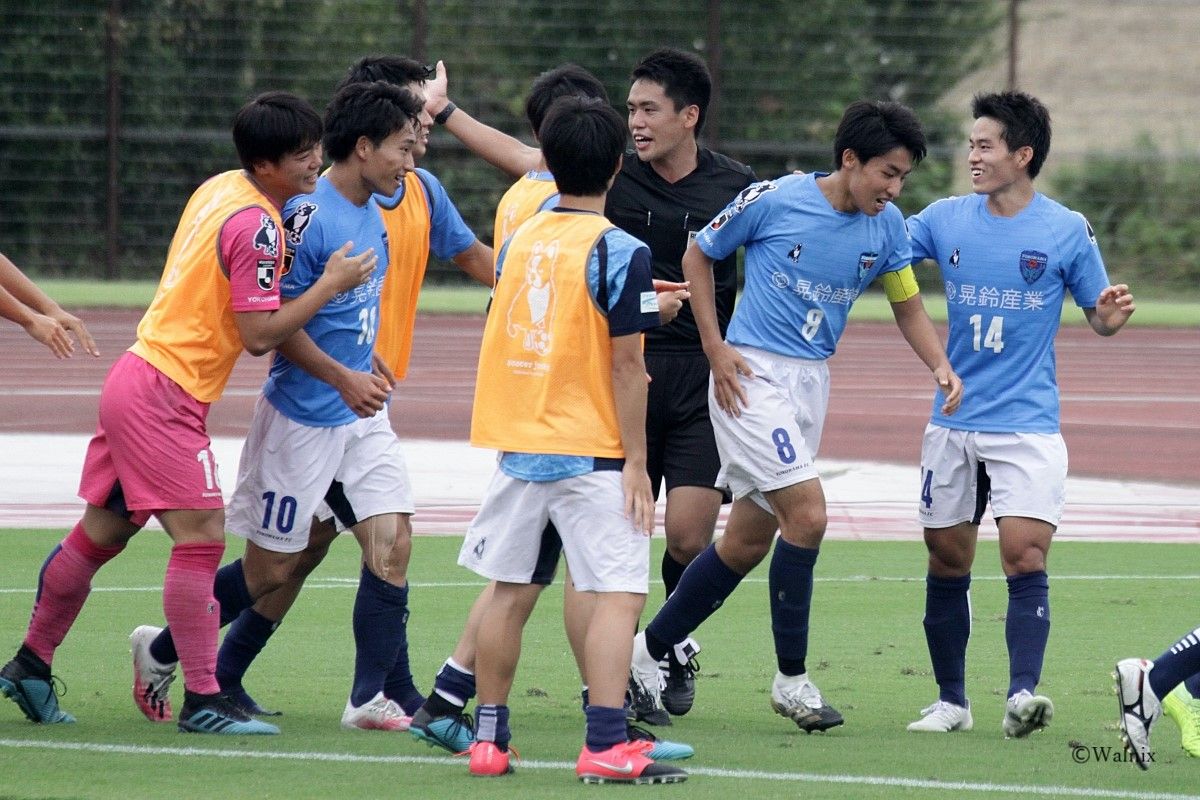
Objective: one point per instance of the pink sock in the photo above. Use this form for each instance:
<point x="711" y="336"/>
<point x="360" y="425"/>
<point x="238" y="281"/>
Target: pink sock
<point x="193" y="613"/>
<point x="63" y="587"/>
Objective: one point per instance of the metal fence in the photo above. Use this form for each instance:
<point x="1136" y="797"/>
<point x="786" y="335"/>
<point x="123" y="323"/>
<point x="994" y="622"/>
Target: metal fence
<point x="111" y="112"/>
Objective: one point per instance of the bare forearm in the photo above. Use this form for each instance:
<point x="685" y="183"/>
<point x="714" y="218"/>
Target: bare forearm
<point x="13" y="309"/>
<point x="301" y="350"/>
<point x="23" y="289"/>
<point x="629" y="392"/>
<point x="497" y="148"/>
<point x="919" y="332"/>
<point x="698" y="272"/>
<point x="478" y="263"/>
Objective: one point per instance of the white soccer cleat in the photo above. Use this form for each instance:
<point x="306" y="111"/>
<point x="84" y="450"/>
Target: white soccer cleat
<point x="151" y="679"/>
<point x="378" y="714"/>
<point x="646" y="685"/>
<point x="1139" y="707"/>
<point x="1025" y="713"/>
<point x="943" y="717"/>
<point x="799" y="699"/>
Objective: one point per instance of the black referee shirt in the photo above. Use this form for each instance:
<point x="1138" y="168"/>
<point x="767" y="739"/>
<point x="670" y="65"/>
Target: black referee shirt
<point x="666" y="216"/>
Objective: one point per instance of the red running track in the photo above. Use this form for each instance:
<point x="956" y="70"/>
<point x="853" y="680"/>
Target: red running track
<point x="1130" y="410"/>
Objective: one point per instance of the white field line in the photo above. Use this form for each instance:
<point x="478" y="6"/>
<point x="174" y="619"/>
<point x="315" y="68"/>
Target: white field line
<point x="736" y="774"/>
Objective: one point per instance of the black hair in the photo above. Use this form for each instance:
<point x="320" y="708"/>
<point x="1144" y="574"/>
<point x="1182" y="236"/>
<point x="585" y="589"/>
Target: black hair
<point x="682" y="75"/>
<point x="374" y="110"/>
<point x="562" y="81"/>
<point x="1026" y="123"/>
<point x="391" y="69"/>
<point x="872" y="127"/>
<point x="273" y="125"/>
<point x="582" y="140"/>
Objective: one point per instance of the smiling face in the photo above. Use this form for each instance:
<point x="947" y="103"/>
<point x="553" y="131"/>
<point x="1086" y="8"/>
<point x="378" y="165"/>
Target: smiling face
<point x="875" y="183"/>
<point x="293" y="174"/>
<point x="426" y="121"/>
<point x="993" y="166"/>
<point x="385" y="164"/>
<point x="659" y="131"/>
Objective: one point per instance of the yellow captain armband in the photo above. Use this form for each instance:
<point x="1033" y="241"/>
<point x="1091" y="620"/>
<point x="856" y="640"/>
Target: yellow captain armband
<point x="900" y="285"/>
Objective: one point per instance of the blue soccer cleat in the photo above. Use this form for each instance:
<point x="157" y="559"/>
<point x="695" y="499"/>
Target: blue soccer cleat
<point x="35" y="694"/>
<point x="203" y="713"/>
<point x="663" y="749"/>
<point x="455" y="734"/>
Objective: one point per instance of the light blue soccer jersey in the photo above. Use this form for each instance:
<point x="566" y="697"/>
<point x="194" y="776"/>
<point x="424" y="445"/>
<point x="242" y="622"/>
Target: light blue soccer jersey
<point x="316" y="225"/>
<point x="1005" y="278"/>
<point x="806" y="263"/>
<point x="448" y="232"/>
<point x="628" y="278"/>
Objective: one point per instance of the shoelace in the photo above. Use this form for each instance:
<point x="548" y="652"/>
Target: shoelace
<point x="57" y="685"/>
<point x="158" y="691"/>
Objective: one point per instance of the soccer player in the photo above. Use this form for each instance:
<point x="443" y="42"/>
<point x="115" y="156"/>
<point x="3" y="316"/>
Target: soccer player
<point x="1007" y="255"/>
<point x="562" y="345"/>
<point x="320" y="431"/>
<point x="22" y="302"/>
<point x="150" y="455"/>
<point x="420" y="218"/>
<point x="813" y="245"/>
<point x="668" y="188"/>
<point x="441" y="720"/>
<point x="1169" y="684"/>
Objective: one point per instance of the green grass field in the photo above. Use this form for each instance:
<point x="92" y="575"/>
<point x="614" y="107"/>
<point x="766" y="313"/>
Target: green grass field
<point x="867" y="654"/>
<point x="1152" y="311"/>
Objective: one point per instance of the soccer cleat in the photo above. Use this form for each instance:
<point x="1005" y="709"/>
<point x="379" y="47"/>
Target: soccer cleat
<point x="1180" y="706"/>
<point x="679" y="686"/>
<point x="943" y="717"/>
<point x="248" y="704"/>
<point x="645" y="686"/>
<point x="663" y="750"/>
<point x="627" y="762"/>
<point x="216" y="713"/>
<point x="1025" y="713"/>
<point x="489" y="761"/>
<point x="455" y="734"/>
<point x="151" y="679"/>
<point x="798" y="699"/>
<point x="377" y="714"/>
<point x="1139" y="707"/>
<point x="36" y="695"/>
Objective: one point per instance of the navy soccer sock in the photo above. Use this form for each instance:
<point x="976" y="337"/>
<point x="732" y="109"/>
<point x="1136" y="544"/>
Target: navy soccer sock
<point x="491" y="725"/>
<point x="701" y="591"/>
<point x="606" y="727"/>
<point x="791" y="584"/>
<point x="399" y="684"/>
<point x="947" y="629"/>
<point x="378" y="627"/>
<point x="454" y="685"/>
<point x="230" y="590"/>
<point x="1027" y="629"/>
<point x="246" y="638"/>
<point x="1192" y="684"/>
<point x="672" y="571"/>
<point x="1181" y="660"/>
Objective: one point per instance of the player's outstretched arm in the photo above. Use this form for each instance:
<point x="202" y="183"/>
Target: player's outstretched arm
<point x="629" y="392"/>
<point x="263" y="331"/>
<point x="478" y="262"/>
<point x="922" y="337"/>
<point x="41" y="317"/>
<point x="1113" y="309"/>
<point x="499" y="149"/>
<point x="725" y="362"/>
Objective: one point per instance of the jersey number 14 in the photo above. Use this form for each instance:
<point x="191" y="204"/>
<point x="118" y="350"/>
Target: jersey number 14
<point x="994" y="338"/>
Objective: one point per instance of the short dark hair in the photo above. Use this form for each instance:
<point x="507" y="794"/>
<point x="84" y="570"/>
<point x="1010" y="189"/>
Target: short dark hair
<point x="873" y="127"/>
<point x="273" y="125"/>
<point x="391" y="69"/>
<point x="562" y="81"/>
<point x="582" y="140"/>
<point x="1026" y="123"/>
<point x="375" y="110"/>
<point x="682" y="75"/>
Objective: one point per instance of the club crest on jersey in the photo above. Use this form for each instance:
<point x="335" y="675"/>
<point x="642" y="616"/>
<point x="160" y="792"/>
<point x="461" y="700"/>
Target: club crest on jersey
<point x="297" y="221"/>
<point x="1033" y="264"/>
<point x="866" y="261"/>
<point x="794" y="254"/>
<point x="267" y="236"/>
<point x="954" y="258"/>
<point x="266" y="275"/>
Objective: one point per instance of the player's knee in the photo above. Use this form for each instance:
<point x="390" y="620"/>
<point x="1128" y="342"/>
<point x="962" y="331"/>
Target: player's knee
<point x="803" y="526"/>
<point x="684" y="549"/>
